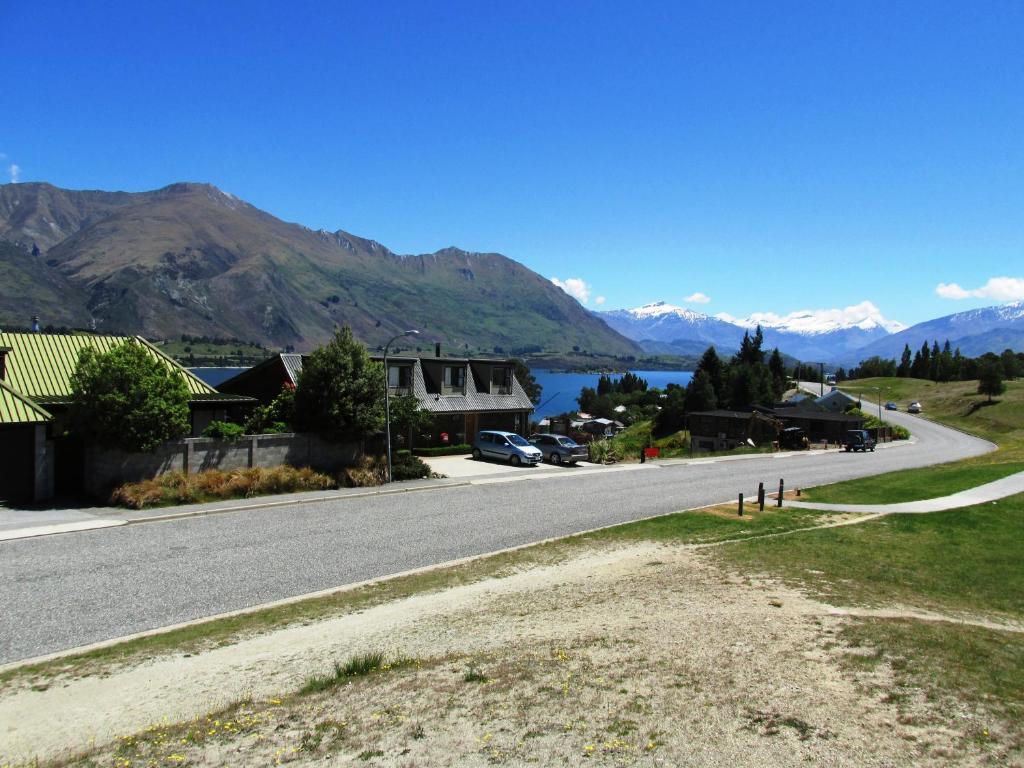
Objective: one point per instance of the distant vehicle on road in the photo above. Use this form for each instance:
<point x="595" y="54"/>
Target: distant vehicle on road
<point x="559" y="449"/>
<point x="505" y="446"/>
<point x="858" y="440"/>
<point x="914" y="407"/>
<point x="891" y="407"/>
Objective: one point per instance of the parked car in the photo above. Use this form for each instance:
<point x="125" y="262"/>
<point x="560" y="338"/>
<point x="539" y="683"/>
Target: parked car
<point x="559" y="449"/>
<point x="891" y="407"/>
<point x="914" y="407"/>
<point x="858" y="440"/>
<point x="506" y="446"/>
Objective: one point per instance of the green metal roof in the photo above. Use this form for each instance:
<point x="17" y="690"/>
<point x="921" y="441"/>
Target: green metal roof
<point x="15" y="408"/>
<point x="40" y="365"/>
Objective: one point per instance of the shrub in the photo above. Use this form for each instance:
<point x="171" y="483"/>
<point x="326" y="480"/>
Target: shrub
<point x="405" y="466"/>
<point x="127" y="398"/>
<point x="224" y="430"/>
<point x="214" y="484"/>
<point x="599" y="450"/>
<point x="444" y="450"/>
<point x="275" y="417"/>
<point x="370" y="471"/>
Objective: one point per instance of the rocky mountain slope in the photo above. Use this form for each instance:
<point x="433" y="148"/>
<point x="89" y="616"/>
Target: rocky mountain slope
<point x="191" y="259"/>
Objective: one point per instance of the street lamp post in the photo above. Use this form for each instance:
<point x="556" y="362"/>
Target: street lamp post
<point x="387" y="400"/>
<point x="879" y="390"/>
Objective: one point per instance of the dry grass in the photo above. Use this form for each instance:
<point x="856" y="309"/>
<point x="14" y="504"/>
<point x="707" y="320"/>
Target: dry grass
<point x="214" y="484"/>
<point x="371" y="471"/>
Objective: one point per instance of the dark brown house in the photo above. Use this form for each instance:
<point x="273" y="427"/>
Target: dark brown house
<point x="464" y="395"/>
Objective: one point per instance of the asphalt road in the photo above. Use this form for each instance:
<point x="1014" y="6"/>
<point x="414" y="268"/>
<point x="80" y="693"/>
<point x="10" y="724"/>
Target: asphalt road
<point x="68" y="590"/>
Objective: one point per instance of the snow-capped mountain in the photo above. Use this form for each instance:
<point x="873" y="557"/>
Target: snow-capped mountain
<point x="976" y="331"/>
<point x="809" y="335"/>
<point x="844" y="336"/>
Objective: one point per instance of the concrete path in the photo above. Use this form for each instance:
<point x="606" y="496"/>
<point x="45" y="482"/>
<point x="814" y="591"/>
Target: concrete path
<point x="998" y="489"/>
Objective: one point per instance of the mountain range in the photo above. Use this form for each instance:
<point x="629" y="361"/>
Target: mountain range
<point x="191" y="259"/>
<point x="840" y="336"/>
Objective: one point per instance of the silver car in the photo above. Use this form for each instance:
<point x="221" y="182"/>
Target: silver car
<point x="506" y="446"/>
<point x="559" y="449"/>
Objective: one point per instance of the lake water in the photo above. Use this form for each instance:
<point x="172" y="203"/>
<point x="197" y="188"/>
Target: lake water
<point x="560" y="390"/>
<point x="214" y="376"/>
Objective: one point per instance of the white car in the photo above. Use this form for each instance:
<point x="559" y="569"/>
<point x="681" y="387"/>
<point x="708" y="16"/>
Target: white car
<point x="914" y="407"/>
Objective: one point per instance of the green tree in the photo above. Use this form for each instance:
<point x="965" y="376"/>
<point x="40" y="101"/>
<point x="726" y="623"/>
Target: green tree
<point x="990" y="377"/>
<point x="905" y="361"/>
<point x="778" y="371"/>
<point x="711" y="364"/>
<point x="277" y="416"/>
<point x="340" y="394"/>
<point x="919" y="368"/>
<point x="527" y="381"/>
<point x="127" y="398"/>
<point x="407" y="418"/>
<point x="1010" y="364"/>
<point x="672" y="416"/>
<point x="700" y="393"/>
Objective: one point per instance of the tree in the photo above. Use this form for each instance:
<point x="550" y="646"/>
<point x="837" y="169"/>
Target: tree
<point x="527" y="381"/>
<point x="407" y="418"/>
<point x="919" y="368"/>
<point x="946" y="363"/>
<point x="277" y="416"/>
<point x="903" y="370"/>
<point x="711" y="364"/>
<point x="672" y="416"/>
<point x="127" y="398"/>
<point x="1010" y="364"/>
<point x="778" y="370"/>
<point x="933" y="362"/>
<point x="340" y="394"/>
<point x="700" y="394"/>
<point x="990" y="377"/>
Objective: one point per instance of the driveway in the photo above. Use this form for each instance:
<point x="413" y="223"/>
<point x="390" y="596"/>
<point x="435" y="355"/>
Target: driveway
<point x="456" y="467"/>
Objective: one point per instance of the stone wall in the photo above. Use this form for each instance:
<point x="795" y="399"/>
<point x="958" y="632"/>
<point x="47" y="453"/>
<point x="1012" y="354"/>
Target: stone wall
<point x="106" y="469"/>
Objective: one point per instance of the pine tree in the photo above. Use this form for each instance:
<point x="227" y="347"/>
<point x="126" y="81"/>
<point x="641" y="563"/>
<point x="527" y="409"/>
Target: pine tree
<point x="904" y="367"/>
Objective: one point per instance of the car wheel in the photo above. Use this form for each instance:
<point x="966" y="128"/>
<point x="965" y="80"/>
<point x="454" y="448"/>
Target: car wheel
<point x="872" y="450"/>
<point x="515" y="461"/>
<point x="556" y="458"/>
<point x="476" y="454"/>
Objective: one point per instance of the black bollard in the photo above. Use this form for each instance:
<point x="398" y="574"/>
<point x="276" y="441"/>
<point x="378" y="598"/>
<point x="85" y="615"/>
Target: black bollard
<point x="760" y="496"/>
<point x="643" y="456"/>
<point x="740" y="512"/>
<point x="782" y="489"/>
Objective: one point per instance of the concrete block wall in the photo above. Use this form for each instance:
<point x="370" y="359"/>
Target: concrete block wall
<point x="106" y="469"/>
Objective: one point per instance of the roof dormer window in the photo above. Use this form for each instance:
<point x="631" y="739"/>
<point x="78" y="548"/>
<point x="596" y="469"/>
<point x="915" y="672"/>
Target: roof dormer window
<point x="454" y="381"/>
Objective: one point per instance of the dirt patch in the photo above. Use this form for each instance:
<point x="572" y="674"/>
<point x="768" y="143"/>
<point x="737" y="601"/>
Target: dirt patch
<point x="648" y="655"/>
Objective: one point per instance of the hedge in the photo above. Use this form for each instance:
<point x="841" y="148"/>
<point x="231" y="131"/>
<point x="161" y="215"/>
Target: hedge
<point x="445" y="450"/>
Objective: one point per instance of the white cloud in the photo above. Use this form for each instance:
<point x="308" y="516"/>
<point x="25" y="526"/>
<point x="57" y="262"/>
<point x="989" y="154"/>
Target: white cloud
<point x="599" y="300"/>
<point x="697" y="298"/>
<point x="997" y="288"/>
<point x="15" y="172"/>
<point x="575" y="287"/>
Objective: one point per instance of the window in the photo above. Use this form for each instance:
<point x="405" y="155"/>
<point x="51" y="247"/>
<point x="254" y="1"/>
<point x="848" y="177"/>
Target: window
<point x="454" y="379"/>
<point x="501" y="381"/>
<point x="399" y="377"/>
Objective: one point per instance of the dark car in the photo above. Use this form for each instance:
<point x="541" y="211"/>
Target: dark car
<point x="858" y="440"/>
<point x="891" y="407"/>
<point x="559" y="449"/>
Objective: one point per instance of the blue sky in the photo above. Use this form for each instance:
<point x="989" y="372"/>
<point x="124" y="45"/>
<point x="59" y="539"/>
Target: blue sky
<point x="770" y="156"/>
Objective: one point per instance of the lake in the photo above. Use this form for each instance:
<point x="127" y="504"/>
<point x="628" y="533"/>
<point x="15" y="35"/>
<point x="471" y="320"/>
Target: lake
<point x="560" y="390"/>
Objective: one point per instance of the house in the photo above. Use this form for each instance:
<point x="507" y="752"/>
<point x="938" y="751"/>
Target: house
<point x="723" y="430"/>
<point x="35" y="392"/>
<point x="835" y="401"/>
<point x="38" y="366"/>
<point x="464" y="395"/>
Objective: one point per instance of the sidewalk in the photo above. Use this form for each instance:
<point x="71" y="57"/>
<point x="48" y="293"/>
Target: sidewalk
<point x="998" y="489"/>
<point x="27" y="523"/>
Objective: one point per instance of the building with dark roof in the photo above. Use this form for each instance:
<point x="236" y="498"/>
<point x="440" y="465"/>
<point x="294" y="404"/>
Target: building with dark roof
<point x="722" y="430"/>
<point x="464" y="395"/>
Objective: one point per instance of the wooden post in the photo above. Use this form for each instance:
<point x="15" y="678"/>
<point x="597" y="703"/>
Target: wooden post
<point x="782" y="489"/>
<point x="740" y="510"/>
<point x="760" y="496"/>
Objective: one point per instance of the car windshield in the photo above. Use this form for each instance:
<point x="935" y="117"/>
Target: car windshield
<point x="516" y="440"/>
<point x="568" y="442"/>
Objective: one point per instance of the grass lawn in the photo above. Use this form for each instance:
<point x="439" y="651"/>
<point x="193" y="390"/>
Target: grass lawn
<point x="965" y="560"/>
<point x="911" y="485"/>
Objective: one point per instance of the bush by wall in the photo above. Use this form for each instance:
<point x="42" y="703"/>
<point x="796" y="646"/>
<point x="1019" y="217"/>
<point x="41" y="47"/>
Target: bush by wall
<point x="224" y="430"/>
<point x="215" y="484"/>
<point x="445" y="450"/>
